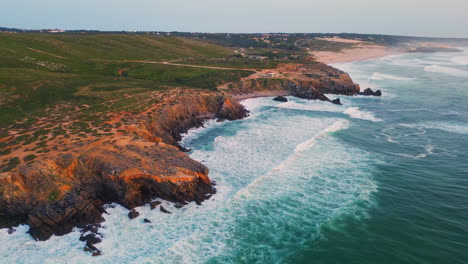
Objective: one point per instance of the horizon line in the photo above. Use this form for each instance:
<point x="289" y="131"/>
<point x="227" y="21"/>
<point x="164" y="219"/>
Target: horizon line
<point x="201" y="32"/>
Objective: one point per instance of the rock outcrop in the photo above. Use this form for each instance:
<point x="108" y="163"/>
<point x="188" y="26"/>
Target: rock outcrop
<point x="69" y="189"/>
<point x="369" y="92"/>
<point x="133" y="214"/>
<point x="308" y="81"/>
<point x="337" y="101"/>
<point x="280" y="99"/>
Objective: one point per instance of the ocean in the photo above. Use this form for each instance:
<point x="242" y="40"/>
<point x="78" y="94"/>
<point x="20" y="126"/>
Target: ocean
<point x="375" y="180"/>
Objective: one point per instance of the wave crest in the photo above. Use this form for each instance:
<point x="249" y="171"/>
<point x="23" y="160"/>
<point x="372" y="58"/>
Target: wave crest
<point x="354" y="112"/>
<point x="381" y="76"/>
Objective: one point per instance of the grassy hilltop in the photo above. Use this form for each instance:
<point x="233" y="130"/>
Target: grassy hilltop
<point x="38" y="71"/>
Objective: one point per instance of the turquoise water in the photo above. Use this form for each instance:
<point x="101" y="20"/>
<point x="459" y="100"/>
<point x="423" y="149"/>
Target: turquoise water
<point x="377" y="180"/>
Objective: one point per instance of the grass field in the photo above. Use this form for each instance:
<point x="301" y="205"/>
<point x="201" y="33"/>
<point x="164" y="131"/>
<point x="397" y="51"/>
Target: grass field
<point x="324" y="45"/>
<point x="40" y="71"/>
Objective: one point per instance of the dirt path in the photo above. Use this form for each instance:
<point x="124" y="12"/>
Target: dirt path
<point x="176" y="64"/>
<point x="50" y="54"/>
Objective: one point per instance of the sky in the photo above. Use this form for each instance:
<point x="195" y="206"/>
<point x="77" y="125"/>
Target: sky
<point x="438" y="18"/>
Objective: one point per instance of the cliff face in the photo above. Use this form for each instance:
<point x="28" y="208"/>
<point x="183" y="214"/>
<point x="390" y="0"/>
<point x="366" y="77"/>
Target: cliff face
<point x="192" y="111"/>
<point x="69" y="189"/>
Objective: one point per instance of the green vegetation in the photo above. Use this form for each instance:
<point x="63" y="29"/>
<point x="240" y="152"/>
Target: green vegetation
<point x="54" y="194"/>
<point x="29" y="157"/>
<point x="10" y="165"/>
<point x="324" y="45"/>
<point x="109" y="47"/>
<point x="51" y="75"/>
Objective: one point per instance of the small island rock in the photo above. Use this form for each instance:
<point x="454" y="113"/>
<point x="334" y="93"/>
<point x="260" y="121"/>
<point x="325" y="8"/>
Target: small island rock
<point x="280" y="99"/>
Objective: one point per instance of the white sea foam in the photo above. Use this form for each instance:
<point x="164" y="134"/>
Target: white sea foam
<point x="382" y="76"/>
<point x="410" y="110"/>
<point x="253" y="104"/>
<point x="304" y="146"/>
<point x="428" y="150"/>
<point x="354" y="112"/>
<point x="329" y="180"/>
<point x="194" y="133"/>
<point x="311" y="106"/>
<point x="446" y="70"/>
<point x="338" y="125"/>
<point x="461" y="60"/>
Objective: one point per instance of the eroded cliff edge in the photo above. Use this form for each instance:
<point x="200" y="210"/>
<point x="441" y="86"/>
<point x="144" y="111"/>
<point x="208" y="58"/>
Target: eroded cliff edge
<point x="140" y="158"/>
<point x="310" y="80"/>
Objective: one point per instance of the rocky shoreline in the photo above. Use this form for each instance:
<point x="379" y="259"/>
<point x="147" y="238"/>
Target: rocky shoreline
<point x="72" y="189"/>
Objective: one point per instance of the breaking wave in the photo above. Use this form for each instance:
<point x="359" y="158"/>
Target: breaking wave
<point x="354" y="112"/>
<point x="382" y="76"/>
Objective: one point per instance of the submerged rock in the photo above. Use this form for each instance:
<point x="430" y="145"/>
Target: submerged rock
<point x="179" y="205"/>
<point x="337" y="101"/>
<point x="162" y="209"/>
<point x="11" y="230"/>
<point x="90" y="248"/>
<point x="91" y="238"/>
<point x="154" y="204"/>
<point x="369" y="92"/>
<point x="133" y="214"/>
<point x="280" y="99"/>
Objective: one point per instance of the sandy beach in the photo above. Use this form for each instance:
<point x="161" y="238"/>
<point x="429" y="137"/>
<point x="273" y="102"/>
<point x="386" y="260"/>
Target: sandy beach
<point x="362" y="51"/>
<point x="356" y="54"/>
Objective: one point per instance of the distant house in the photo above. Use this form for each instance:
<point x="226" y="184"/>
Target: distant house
<point x="268" y="75"/>
<point x="56" y="31"/>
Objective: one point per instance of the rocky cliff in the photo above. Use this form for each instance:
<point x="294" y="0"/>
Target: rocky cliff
<point x="143" y="162"/>
<point x="308" y="81"/>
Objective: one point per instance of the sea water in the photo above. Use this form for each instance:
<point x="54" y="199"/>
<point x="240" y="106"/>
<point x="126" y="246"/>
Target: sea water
<point x="375" y="180"/>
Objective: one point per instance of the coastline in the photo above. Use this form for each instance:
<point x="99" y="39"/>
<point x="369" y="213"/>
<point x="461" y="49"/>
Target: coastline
<point x="194" y="111"/>
<point x="330" y="58"/>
